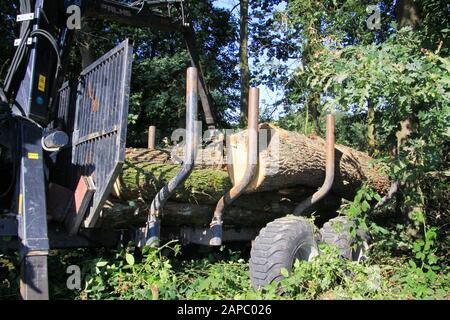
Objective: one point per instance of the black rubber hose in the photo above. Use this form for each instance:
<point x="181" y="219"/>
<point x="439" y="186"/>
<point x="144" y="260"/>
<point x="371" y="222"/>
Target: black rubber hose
<point x="25" y="7"/>
<point x="52" y="41"/>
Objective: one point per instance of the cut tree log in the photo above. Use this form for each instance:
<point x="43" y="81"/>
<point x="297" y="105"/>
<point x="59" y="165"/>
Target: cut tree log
<point x="145" y="172"/>
<point x="251" y="210"/>
<point x="141" y="181"/>
<point x="291" y="169"/>
<point x="118" y="214"/>
<point x="291" y="159"/>
<point x="288" y="160"/>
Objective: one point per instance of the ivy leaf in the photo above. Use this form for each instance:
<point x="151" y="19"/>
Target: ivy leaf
<point x="377" y="197"/>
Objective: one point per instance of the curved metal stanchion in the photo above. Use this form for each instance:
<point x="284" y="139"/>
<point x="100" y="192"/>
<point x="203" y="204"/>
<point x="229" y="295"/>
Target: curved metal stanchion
<point x="152" y="230"/>
<point x="252" y="161"/>
<point x="329" y="169"/>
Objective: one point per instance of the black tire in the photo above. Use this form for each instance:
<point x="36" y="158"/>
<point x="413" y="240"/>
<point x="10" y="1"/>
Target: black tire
<point x="277" y="246"/>
<point x="336" y="232"/>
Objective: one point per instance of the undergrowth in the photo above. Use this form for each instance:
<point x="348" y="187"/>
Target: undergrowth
<point x="165" y="273"/>
<point x="396" y="266"/>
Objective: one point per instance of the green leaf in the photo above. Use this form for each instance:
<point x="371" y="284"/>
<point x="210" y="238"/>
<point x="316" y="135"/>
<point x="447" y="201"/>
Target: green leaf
<point x="101" y="264"/>
<point x="432" y="259"/>
<point x="284" y="272"/>
<point x="365" y="206"/>
<point x="412" y="264"/>
<point x="129" y="258"/>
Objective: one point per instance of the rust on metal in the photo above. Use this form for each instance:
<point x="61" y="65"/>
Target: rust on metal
<point x="329" y="169"/>
<point x="93" y="98"/>
<point x="250" y="171"/>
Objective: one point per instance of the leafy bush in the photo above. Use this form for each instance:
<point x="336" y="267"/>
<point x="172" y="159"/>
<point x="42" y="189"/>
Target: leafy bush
<point x="125" y="277"/>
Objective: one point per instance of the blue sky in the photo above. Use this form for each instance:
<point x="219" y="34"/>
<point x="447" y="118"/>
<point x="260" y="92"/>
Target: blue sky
<point x="267" y="96"/>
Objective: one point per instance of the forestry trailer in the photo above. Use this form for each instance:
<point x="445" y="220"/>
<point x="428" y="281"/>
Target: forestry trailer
<point x="62" y="145"/>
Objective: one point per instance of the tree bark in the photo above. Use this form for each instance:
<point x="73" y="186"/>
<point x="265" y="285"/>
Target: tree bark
<point x="147" y="171"/>
<point x="84" y="43"/>
<point x="118" y="214"/>
<point x="292" y="159"/>
<point x="407" y="14"/>
<point x="243" y="61"/>
<point x="371" y="128"/>
<point x="252" y="210"/>
<point x="313" y="109"/>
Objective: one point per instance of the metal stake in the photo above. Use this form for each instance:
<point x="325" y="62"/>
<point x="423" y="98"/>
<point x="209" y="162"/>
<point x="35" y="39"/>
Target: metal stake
<point x="153" y="225"/>
<point x="250" y="171"/>
<point x="152" y="138"/>
<point x="329" y="169"/>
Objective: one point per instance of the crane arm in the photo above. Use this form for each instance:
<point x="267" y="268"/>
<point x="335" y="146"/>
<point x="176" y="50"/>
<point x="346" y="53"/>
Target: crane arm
<point x="168" y="15"/>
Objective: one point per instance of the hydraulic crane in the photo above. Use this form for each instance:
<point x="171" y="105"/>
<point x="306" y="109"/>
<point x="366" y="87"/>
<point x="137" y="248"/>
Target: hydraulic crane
<point x="50" y="129"/>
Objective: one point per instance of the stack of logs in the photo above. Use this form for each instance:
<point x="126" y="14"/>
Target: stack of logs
<point x="291" y="168"/>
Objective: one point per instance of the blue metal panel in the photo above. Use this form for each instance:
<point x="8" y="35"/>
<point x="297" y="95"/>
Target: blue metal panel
<point x="33" y="95"/>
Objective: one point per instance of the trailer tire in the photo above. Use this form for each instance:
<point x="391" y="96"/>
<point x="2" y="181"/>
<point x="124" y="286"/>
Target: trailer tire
<point x="277" y="246"/>
<point x="336" y="232"/>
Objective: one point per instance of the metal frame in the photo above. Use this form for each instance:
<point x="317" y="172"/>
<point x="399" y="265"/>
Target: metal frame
<point x="29" y="201"/>
<point x="144" y="16"/>
<point x="203" y="236"/>
<point x="99" y="137"/>
<point x="32" y="214"/>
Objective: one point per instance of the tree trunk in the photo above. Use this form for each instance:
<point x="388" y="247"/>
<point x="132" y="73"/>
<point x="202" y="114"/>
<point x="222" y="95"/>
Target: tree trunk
<point x="243" y="61"/>
<point x="147" y="171"/>
<point x="313" y="109"/>
<point x="252" y="210"/>
<point x="84" y="43"/>
<point x="407" y="14"/>
<point x="292" y="159"/>
<point x="118" y="214"/>
<point x="371" y="128"/>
